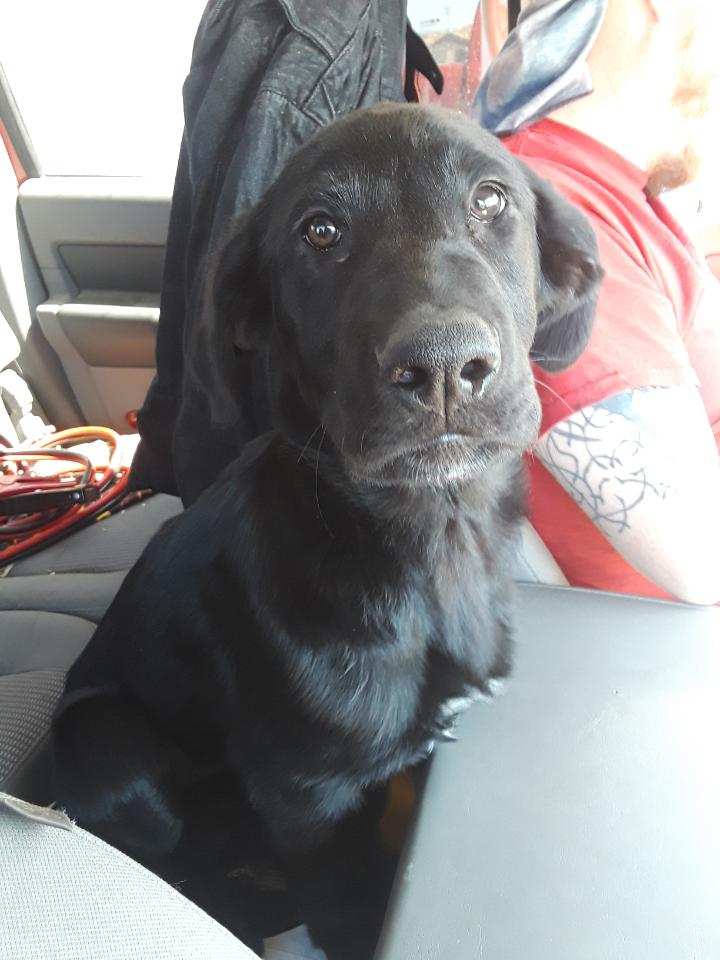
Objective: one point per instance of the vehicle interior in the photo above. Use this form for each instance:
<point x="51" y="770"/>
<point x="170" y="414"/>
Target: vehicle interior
<point x="575" y="816"/>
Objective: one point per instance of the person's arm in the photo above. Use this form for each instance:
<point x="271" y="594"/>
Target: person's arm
<point x="644" y="467"/>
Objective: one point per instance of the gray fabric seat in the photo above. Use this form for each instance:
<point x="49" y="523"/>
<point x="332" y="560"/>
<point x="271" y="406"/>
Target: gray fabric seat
<point x="68" y="896"/>
<point x="49" y="605"/>
<point x="112" y="544"/>
<point x="36" y="650"/>
<point x="81" y="574"/>
<point x="85" y="595"/>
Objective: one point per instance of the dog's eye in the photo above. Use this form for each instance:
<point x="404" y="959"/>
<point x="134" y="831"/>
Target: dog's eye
<point x="487" y="202"/>
<point x="321" y="232"/>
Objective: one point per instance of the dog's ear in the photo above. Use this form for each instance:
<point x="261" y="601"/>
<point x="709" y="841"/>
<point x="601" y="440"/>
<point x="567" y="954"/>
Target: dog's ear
<point x="569" y="278"/>
<point x="241" y="289"/>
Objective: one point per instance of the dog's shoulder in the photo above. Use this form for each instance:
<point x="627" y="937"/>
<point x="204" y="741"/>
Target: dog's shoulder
<point x="215" y="518"/>
<point x="168" y="602"/>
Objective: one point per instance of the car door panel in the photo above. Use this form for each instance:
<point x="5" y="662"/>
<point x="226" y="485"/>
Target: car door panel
<point x="99" y="243"/>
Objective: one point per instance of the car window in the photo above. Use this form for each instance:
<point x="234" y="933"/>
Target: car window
<point x="430" y="16"/>
<point x="99" y="84"/>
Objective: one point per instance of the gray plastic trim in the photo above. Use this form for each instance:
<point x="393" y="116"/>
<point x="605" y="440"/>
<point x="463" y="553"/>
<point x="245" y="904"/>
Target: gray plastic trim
<point x="91" y="210"/>
<point x="107" y="351"/>
<point x="92" y="220"/>
<point x="15" y="126"/>
<point x="576" y="816"/>
<point x="114" y="266"/>
<point x="104" y="330"/>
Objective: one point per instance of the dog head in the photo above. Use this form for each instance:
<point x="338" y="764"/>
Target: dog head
<point x="404" y="269"/>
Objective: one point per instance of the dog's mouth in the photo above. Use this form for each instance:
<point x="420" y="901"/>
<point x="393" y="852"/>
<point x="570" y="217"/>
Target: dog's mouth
<point x="440" y="461"/>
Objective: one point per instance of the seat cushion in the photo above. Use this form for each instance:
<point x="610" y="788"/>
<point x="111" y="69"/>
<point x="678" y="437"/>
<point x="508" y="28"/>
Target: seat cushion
<point x="49" y="605"/>
<point x="85" y="595"/>
<point x="68" y="896"/>
<point x="36" y="640"/>
<point x="108" y="545"/>
<point x="81" y="574"/>
<point x="36" y="650"/>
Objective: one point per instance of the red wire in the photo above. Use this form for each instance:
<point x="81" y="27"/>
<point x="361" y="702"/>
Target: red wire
<point x="30" y="531"/>
<point x="69" y="518"/>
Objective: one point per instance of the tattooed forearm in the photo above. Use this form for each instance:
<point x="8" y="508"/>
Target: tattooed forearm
<point x="644" y="466"/>
<point x="601" y="456"/>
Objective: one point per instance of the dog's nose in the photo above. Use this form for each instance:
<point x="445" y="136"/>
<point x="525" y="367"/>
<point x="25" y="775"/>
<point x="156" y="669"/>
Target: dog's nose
<point x="445" y="365"/>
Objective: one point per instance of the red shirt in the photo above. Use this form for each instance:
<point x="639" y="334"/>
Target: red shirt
<point x="657" y="324"/>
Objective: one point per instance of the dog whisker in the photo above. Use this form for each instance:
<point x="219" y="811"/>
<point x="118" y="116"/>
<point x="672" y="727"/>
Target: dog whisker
<point x="309" y="441"/>
<point x="554" y="393"/>
<point x="317" y="495"/>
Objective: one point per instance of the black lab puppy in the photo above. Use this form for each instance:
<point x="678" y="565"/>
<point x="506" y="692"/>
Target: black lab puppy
<point x="310" y="625"/>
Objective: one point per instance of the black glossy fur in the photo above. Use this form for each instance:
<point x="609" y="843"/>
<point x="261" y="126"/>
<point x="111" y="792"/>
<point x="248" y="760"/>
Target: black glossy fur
<point x="314" y="620"/>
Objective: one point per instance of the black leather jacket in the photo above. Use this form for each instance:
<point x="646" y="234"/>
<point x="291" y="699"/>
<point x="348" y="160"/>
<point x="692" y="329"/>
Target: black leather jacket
<point x="265" y="74"/>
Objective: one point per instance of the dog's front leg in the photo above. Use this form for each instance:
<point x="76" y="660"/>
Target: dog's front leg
<point x="339" y="873"/>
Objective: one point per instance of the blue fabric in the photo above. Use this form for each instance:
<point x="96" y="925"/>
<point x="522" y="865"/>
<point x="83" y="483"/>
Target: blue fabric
<point x="542" y="64"/>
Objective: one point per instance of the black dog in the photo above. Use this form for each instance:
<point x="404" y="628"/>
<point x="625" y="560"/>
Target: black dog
<point x="310" y="625"/>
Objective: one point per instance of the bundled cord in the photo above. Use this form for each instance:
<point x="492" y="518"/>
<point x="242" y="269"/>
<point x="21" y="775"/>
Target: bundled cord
<point x="58" y="485"/>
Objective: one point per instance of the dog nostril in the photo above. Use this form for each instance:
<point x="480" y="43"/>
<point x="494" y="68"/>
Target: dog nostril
<point x="476" y="370"/>
<point x="409" y="377"/>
